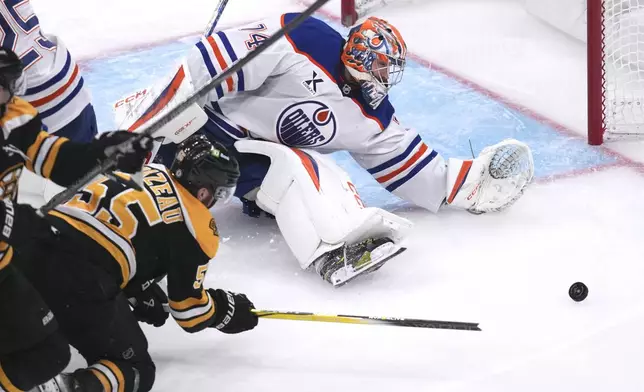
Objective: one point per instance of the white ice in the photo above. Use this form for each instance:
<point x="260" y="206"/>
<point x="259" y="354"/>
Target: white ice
<point x="510" y="271"/>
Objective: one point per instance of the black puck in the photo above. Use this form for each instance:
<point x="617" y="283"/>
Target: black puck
<point x="578" y="292"/>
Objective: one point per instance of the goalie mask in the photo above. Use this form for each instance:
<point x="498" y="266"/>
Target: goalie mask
<point x="374" y="55"/>
<point x="12" y="79"/>
<point x="206" y="170"/>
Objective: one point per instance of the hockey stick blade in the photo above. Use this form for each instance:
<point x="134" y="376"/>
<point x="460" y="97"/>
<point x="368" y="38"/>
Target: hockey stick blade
<point x="369" y="320"/>
<point x="110" y="162"/>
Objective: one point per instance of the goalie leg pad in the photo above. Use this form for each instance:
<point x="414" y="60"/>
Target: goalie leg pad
<point x="493" y="181"/>
<point x="316" y="206"/>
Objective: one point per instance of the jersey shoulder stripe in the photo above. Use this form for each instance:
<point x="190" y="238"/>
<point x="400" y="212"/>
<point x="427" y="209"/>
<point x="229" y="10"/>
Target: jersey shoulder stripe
<point x="233" y="56"/>
<point x="55" y="79"/>
<point x="209" y="66"/>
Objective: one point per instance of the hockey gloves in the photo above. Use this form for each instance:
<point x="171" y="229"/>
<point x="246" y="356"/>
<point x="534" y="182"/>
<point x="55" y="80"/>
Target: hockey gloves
<point x="20" y="224"/>
<point x="149" y="305"/>
<point x="232" y="312"/>
<point x="129" y="158"/>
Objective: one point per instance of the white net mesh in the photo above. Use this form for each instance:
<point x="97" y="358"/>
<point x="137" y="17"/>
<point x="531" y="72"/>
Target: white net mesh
<point x="368" y="7"/>
<point x="624" y="62"/>
<point x="363" y="7"/>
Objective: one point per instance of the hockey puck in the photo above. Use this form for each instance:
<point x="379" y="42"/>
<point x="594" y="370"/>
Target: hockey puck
<point x="578" y="292"/>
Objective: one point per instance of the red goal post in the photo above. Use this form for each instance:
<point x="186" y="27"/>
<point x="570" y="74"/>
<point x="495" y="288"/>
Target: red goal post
<point x="352" y="10"/>
<point x="612" y="30"/>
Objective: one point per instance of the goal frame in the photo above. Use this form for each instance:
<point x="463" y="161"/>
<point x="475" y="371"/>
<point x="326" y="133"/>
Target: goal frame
<point x="349" y="16"/>
<point x="595" y="63"/>
<point x="596" y="70"/>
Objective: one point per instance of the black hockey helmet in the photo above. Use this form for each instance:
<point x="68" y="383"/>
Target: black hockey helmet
<point x="11" y="77"/>
<point x="199" y="163"/>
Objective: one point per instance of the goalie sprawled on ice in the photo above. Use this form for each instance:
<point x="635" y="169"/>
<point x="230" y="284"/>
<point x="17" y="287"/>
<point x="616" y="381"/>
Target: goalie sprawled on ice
<point x="311" y="93"/>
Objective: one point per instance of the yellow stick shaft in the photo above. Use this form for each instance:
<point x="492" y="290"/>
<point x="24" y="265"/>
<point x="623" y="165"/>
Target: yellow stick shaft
<point x="347" y="319"/>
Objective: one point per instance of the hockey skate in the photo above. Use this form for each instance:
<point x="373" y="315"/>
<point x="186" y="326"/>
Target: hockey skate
<point x="64" y="382"/>
<point x="342" y="265"/>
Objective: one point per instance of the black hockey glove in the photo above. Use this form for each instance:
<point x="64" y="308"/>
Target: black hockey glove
<point x="232" y="312"/>
<point x="250" y="208"/>
<point x="20" y="224"/>
<point x="130" y="160"/>
<point x="148" y="305"/>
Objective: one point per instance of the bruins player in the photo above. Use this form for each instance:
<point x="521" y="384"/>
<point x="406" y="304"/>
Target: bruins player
<point x="31" y="348"/>
<point x="113" y="241"/>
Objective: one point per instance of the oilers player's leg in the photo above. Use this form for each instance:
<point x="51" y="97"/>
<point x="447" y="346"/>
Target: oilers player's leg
<point x="253" y="169"/>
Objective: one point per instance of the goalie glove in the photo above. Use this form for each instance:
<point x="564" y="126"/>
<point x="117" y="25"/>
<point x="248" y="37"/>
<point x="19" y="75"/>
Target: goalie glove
<point x="232" y="312"/>
<point x="491" y="182"/>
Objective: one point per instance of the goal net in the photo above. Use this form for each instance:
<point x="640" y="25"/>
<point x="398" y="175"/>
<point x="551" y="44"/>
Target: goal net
<point x="616" y="69"/>
<point x="614" y="34"/>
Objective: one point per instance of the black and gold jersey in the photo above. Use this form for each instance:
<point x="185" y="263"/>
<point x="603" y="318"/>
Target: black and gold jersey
<point x="6" y="254"/>
<point x="26" y="144"/>
<point x="144" y="235"/>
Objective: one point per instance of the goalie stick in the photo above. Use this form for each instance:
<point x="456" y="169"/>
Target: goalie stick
<point x="215" y="18"/>
<point x="346" y="319"/>
<point x="189" y="122"/>
<point x="110" y="162"/>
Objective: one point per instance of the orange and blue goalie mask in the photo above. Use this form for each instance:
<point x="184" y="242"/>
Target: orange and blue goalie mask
<point x="375" y="55"/>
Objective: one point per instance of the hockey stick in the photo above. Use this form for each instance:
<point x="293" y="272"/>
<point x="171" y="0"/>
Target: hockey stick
<point x="346" y="319"/>
<point x="215" y="18"/>
<point x="110" y="162"/>
<point x="189" y="128"/>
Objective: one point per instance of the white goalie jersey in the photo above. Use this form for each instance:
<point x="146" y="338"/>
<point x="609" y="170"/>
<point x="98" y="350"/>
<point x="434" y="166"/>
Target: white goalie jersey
<point x="294" y="93"/>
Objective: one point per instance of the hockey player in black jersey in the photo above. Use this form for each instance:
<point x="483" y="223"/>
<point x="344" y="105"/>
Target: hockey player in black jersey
<point x="31" y="348"/>
<point x="114" y="242"/>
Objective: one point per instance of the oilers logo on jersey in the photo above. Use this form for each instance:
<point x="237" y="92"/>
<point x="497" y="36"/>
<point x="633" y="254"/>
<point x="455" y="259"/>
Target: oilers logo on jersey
<point x="306" y="124"/>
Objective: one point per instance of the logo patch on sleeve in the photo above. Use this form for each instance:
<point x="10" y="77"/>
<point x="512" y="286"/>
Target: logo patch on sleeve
<point x="213" y="227"/>
<point x="306" y="124"/>
<point x="312" y="84"/>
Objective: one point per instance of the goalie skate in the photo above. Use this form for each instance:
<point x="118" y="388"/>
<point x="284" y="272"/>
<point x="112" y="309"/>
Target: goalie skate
<point x="342" y="265"/>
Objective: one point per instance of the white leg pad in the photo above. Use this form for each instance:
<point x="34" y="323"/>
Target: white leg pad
<point x="316" y="206"/>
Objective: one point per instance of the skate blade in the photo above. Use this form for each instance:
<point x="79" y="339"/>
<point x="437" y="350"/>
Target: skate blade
<point x="372" y="267"/>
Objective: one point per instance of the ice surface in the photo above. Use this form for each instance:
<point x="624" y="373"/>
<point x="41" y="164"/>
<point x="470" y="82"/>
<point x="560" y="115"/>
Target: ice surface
<point x="508" y="271"/>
